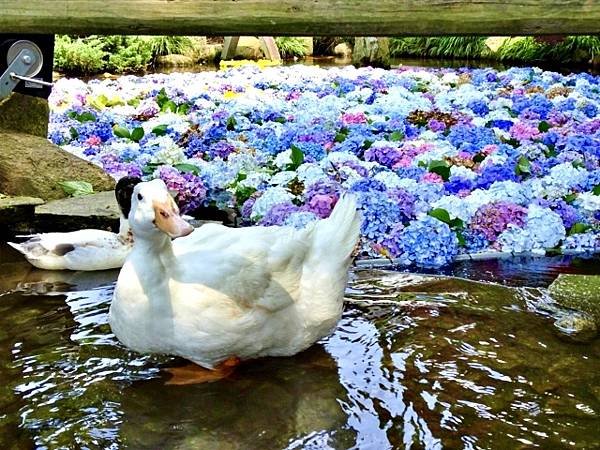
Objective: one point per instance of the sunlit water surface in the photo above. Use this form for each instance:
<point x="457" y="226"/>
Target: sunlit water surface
<point x="416" y="362"/>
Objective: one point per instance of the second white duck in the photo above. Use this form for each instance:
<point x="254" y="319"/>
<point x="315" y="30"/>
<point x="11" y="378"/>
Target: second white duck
<point x="84" y="249"/>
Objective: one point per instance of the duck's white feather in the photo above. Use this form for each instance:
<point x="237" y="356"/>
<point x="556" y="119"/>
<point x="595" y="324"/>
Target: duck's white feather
<point x="222" y="292"/>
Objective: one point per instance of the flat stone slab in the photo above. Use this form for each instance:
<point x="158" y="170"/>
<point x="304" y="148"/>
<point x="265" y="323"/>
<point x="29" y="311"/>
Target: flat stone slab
<point x="98" y="210"/>
<point x="580" y="292"/>
<point x="7" y="202"/>
<point x="15" y="212"/>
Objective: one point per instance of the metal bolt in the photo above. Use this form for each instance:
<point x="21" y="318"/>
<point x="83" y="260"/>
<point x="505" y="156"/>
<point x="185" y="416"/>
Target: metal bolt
<point x="27" y="59"/>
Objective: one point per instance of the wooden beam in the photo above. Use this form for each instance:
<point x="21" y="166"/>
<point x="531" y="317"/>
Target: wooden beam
<point x="301" y="17"/>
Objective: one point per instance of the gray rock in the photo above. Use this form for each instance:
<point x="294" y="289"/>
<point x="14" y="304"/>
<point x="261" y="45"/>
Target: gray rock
<point x="175" y="61"/>
<point x="99" y="211"/>
<point x="32" y="166"/>
<point x="342" y="50"/>
<point x="371" y="51"/>
<point x="248" y="47"/>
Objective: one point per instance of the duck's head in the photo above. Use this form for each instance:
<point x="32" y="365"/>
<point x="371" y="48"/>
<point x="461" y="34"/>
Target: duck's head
<point x="154" y="212"/>
<point x="124" y="191"/>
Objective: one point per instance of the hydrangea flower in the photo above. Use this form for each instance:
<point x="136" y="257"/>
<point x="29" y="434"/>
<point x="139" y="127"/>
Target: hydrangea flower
<point x="492" y="219"/>
<point x="426" y="242"/>
<point x="502" y="151"/>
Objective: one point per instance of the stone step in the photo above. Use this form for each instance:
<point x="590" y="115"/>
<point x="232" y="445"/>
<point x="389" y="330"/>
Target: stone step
<point x="15" y="212"/>
<point x="99" y="210"/>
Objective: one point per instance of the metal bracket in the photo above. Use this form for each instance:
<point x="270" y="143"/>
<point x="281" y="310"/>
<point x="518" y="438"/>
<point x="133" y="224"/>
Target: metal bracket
<point x="25" y="61"/>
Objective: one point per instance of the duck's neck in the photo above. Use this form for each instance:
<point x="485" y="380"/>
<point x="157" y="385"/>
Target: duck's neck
<point x="156" y="252"/>
<point x="124" y="229"/>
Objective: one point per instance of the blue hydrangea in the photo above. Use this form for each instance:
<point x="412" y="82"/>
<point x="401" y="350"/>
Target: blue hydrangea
<point x="379" y="214"/>
<point x="426" y="242"/>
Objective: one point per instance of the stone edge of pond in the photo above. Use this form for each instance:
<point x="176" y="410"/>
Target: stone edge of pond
<point x="480" y="256"/>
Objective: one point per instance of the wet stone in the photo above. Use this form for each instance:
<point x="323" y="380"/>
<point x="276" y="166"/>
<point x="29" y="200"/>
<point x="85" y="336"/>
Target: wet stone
<point x="576" y="327"/>
<point x="15" y="211"/>
<point x="581" y="292"/>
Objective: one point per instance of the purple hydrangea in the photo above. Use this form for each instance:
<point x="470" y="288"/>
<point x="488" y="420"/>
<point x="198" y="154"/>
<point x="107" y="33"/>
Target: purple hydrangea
<point x="278" y="214"/>
<point x="385" y="155"/>
<point x="190" y="189"/>
<point x="493" y="218"/>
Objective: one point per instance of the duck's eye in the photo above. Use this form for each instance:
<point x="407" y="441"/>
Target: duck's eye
<point x="140" y="197"/>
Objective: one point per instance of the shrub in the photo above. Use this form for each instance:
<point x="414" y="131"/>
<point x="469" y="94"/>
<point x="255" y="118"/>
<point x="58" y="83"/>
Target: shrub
<point x="130" y="54"/>
<point x="76" y="55"/>
<point x="169" y="45"/>
<point x="291" y="46"/>
<point x="440" y="47"/>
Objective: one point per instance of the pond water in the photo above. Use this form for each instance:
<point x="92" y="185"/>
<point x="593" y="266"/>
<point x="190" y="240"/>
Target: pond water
<point x="416" y="362"/>
<point x="330" y="61"/>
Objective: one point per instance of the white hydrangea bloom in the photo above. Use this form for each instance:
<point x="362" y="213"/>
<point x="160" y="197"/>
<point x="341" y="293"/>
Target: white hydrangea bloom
<point x="271" y="197"/>
<point x="389" y="178"/>
<point x="462" y="172"/>
<point x="588" y="202"/>
<point x="283" y="177"/>
<point x="455" y="207"/>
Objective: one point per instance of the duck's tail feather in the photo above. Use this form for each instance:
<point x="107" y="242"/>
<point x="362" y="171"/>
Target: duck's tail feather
<point x="336" y="237"/>
<point x="17" y="247"/>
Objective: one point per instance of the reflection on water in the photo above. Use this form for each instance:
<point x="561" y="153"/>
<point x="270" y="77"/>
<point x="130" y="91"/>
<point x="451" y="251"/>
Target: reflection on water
<point x="417" y="362"/>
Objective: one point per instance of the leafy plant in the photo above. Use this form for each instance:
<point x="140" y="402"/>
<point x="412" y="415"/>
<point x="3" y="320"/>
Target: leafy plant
<point x="169" y="45"/>
<point x="291" y="46"/>
<point x="440" y="47"/>
<point x="134" y="135"/>
<point x="76" y="55"/>
<point x="76" y="188"/>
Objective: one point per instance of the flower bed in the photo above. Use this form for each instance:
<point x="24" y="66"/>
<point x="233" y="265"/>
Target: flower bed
<point x="443" y="162"/>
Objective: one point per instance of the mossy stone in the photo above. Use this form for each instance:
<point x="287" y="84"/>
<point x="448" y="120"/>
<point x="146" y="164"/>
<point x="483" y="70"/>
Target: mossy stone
<point x="581" y="292"/>
<point x="24" y="114"/>
<point x="32" y="166"/>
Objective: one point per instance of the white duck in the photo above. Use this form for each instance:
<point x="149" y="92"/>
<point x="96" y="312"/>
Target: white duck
<point x="221" y="294"/>
<point x="84" y="249"/>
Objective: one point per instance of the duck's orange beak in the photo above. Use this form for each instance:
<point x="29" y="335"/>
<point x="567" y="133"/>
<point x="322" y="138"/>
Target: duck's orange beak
<point x="168" y="220"/>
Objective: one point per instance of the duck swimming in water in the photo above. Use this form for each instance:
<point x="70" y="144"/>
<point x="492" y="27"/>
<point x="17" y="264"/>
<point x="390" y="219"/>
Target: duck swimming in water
<point x="218" y="295"/>
<point x="84" y="249"/>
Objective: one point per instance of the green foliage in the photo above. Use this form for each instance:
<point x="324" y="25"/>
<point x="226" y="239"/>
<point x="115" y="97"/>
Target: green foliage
<point x="116" y="54"/>
<point x="291" y="46"/>
<point x="76" y="188"/>
<point x="76" y="55"/>
<point x="169" y="45"/>
<point x="439" y="47"/>
<point x="573" y="50"/>
<point x="95" y="54"/>
<point x="128" y="54"/>
<point x="442" y="168"/>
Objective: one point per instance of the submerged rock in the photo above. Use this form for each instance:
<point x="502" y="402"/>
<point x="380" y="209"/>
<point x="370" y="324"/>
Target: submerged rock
<point x="99" y="211"/>
<point x="577" y="327"/>
<point x="15" y="211"/>
<point x="31" y="166"/>
<point x="581" y="292"/>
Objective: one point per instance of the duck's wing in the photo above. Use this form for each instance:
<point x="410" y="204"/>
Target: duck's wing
<point x="257" y="267"/>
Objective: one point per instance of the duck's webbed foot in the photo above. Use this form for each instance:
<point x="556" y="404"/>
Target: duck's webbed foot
<point x="195" y="374"/>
